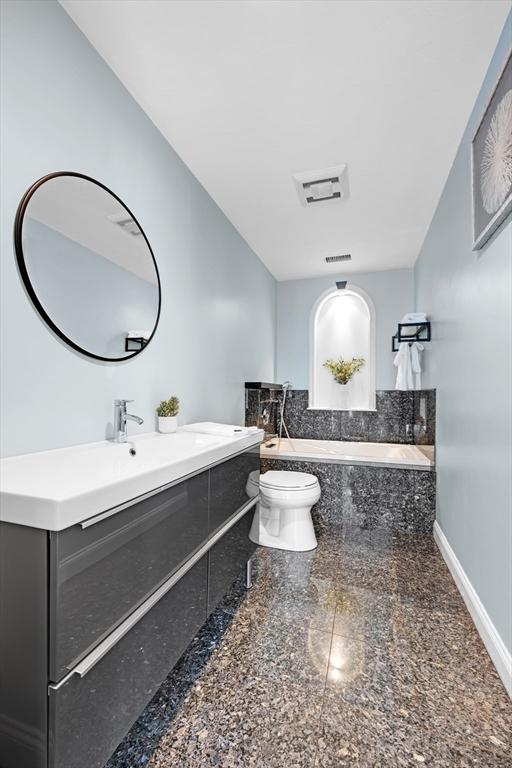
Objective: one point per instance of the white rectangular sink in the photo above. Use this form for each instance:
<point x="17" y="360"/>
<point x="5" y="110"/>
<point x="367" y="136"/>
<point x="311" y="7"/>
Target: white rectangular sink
<point x="58" y="488"/>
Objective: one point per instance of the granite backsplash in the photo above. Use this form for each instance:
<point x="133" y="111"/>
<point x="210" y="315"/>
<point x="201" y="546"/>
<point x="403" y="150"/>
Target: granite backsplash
<point x="400" y="417"/>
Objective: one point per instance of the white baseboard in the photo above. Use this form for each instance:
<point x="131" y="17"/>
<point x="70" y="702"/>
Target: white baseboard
<point x="500" y="655"/>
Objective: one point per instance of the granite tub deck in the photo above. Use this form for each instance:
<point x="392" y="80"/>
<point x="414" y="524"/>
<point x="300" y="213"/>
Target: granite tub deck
<point x="360" y="653"/>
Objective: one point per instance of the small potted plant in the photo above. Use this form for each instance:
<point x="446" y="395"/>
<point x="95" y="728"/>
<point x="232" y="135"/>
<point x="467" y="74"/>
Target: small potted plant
<point x="343" y="370"/>
<point x="167" y="413"/>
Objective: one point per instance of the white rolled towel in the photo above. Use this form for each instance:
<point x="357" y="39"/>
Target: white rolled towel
<point x="414" y="317"/>
<point x="220" y="430"/>
<point x="138" y="335"/>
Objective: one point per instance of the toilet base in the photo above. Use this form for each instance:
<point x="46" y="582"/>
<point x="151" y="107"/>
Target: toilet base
<point x="290" y="529"/>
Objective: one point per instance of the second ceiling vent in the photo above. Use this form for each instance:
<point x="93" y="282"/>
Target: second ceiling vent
<point x="319" y="186"/>
<point x="341" y="257"/>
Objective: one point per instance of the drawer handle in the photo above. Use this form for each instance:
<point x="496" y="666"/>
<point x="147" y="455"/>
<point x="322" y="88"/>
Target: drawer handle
<point x="104" y="647"/>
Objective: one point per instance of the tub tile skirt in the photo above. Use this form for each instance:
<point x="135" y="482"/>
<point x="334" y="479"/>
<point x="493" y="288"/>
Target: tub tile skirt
<point x="398" y="500"/>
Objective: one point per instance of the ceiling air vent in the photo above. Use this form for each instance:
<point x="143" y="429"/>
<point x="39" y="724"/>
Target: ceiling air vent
<point x="126" y="223"/>
<point x="319" y="186"/>
<point x="342" y="257"/>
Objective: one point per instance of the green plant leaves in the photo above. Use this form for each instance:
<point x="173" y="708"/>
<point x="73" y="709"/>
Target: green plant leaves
<point x="343" y="370"/>
<point x="170" y="407"/>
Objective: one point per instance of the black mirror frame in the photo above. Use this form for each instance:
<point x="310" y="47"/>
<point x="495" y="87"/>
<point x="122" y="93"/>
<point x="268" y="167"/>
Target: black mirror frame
<point x="20" y="258"/>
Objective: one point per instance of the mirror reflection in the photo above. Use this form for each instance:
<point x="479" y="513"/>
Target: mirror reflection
<point x="88" y="266"/>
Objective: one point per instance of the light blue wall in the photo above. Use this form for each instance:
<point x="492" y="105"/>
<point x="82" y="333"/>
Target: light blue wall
<point x="392" y="293"/>
<point x="63" y="109"/>
<point x="77" y="286"/>
<point x="468" y="296"/>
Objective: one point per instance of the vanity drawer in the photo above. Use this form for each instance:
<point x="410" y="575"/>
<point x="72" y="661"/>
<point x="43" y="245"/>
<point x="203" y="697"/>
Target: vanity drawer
<point x="228" y="485"/>
<point x="90" y="715"/>
<point x="227" y="559"/>
<point x="100" y="573"/>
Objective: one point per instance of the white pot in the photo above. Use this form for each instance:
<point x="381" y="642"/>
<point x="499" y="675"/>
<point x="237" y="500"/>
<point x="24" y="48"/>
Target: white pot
<point x="167" y="424"/>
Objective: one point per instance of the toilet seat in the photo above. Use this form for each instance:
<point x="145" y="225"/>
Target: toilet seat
<point x="283" y="480"/>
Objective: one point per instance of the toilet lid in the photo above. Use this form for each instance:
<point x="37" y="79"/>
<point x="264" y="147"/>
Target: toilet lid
<point x="287" y="480"/>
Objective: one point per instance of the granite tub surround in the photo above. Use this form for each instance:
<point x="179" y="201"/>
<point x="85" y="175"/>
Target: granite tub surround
<point x="424" y="408"/>
<point x="401" y="500"/>
<point x="359" y="653"/>
<point x="262" y="408"/>
<point x="399" y="417"/>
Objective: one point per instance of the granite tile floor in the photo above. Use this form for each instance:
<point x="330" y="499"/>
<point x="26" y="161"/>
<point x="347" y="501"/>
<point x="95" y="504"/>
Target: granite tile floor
<point x="360" y="653"/>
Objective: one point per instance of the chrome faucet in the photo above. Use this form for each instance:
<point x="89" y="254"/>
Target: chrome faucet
<point x="120" y="419"/>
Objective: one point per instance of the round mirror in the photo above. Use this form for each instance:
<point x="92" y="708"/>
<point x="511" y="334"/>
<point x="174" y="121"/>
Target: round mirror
<point x="87" y="266"/>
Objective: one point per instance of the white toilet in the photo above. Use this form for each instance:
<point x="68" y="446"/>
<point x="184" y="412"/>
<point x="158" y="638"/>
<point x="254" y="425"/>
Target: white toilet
<point x="283" y="517"/>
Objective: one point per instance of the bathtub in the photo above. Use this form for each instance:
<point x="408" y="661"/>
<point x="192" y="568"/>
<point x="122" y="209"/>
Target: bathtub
<point x="392" y="455"/>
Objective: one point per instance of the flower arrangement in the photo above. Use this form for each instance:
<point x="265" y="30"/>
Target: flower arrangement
<point x="170" y="407"/>
<point x="343" y="370"/>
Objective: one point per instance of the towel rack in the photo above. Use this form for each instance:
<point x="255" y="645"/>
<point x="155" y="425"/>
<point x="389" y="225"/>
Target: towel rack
<point x="139" y="342"/>
<point x="422" y="333"/>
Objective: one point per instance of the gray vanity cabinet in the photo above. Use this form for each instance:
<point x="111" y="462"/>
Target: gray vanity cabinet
<point x="100" y="571"/>
<point x="90" y="715"/>
<point x="227" y="558"/>
<point x="228" y="485"/>
<point x="228" y="492"/>
<point x="94" y="617"/>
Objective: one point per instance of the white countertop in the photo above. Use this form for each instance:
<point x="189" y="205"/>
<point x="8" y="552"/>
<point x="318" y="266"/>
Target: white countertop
<point x="55" y="489"/>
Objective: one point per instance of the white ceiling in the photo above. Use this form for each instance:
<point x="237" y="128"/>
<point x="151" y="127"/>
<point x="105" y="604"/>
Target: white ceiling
<point x="251" y="92"/>
<point x="80" y="211"/>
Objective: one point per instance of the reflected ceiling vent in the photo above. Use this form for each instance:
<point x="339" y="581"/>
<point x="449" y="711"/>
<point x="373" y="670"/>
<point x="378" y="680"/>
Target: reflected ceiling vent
<point x="341" y="257"/>
<point x="319" y="186"/>
<point x="126" y="223"/>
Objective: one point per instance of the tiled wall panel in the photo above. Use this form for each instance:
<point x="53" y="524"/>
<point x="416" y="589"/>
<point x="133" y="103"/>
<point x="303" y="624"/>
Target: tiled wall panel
<point x="400" y="417"/>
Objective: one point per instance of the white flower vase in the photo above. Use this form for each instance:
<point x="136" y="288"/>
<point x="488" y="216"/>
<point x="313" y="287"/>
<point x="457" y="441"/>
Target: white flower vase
<point x="343" y="398"/>
<point x="167" y="424"/>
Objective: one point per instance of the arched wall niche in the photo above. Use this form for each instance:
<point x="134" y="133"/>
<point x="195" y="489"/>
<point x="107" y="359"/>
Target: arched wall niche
<point x="342" y="323"/>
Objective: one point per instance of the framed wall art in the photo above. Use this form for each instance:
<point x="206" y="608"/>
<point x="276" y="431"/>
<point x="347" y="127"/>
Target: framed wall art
<point x="491" y="154"/>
